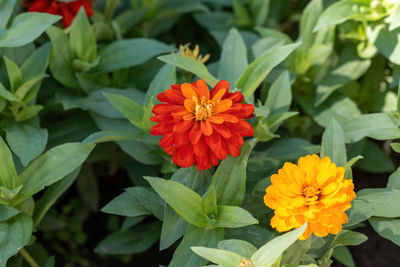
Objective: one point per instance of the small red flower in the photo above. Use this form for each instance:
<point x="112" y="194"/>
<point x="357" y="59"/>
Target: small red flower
<point x="201" y="127"/>
<point x="67" y="10"/>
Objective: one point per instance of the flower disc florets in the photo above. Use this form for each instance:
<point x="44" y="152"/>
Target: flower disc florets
<point x="201" y="127"/>
<point x="313" y="191"/>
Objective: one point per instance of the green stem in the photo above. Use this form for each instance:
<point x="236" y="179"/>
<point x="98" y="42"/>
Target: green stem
<point x="25" y="254"/>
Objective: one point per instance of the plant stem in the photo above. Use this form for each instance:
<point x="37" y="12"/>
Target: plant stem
<point x="25" y="254"/>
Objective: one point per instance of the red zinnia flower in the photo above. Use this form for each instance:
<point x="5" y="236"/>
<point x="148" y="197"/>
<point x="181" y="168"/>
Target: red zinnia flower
<point x="67" y="10"/>
<point x="200" y="127"/>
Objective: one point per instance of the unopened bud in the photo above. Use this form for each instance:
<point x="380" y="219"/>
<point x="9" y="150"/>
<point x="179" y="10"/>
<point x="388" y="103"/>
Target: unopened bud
<point x="246" y="263"/>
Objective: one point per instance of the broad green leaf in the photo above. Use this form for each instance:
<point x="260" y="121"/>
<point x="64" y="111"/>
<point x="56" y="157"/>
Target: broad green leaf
<point x="219" y="256"/>
<point x="254" y="234"/>
<point x="26" y="140"/>
<point x="343" y="255"/>
<point x="14" y="74"/>
<point x="132" y="241"/>
<point x="128" y="53"/>
<point x="81" y="38"/>
<point x="210" y="203"/>
<point x="163" y="80"/>
<point x="395" y="147"/>
<point x="36" y="64"/>
<point x="28" y="113"/>
<point x="149" y="199"/>
<point x="288" y="149"/>
<point x="7" y="212"/>
<point x="51" y="167"/>
<point x="233" y="59"/>
<point x="112" y="135"/>
<point x="383" y="201"/>
<point x="51" y="195"/>
<point x="387" y="228"/>
<point x="14" y="234"/>
<point x="229" y="180"/>
<point x="395" y="17"/>
<point x="26" y="27"/>
<point x="128" y="107"/>
<point x="187" y="203"/>
<point x="394" y="180"/>
<point x="8" y="95"/>
<point x="184" y="256"/>
<point x="6" y="9"/>
<point x="240" y="247"/>
<point x="385" y="41"/>
<point x="8" y="174"/>
<point x="378" y="126"/>
<point x="348" y="172"/>
<point x="126" y="204"/>
<point x="258" y="70"/>
<point x="233" y="217"/>
<point x="260" y="10"/>
<point x="190" y="65"/>
<point x="270" y="252"/>
<point x="61" y="58"/>
<point x="360" y="211"/>
<point x="340" y="12"/>
<point x="280" y="95"/>
<point x="333" y="144"/>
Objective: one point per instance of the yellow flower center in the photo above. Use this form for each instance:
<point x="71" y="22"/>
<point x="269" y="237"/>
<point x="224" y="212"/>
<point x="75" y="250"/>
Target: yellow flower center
<point x="312" y="194"/>
<point x="203" y="109"/>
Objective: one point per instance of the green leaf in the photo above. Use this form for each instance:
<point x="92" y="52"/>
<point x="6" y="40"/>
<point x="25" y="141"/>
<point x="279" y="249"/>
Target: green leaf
<point x="378" y="126"/>
<point x="255" y="234"/>
<point x="132" y="241"/>
<point x="231" y="67"/>
<point x="26" y="27"/>
<point x="113" y="135"/>
<point x="333" y="144"/>
<point x="385" y="41"/>
<point x="394" y="180"/>
<point x="280" y="95"/>
<point x="126" y="204"/>
<point x="360" y="211"/>
<point x="81" y="38"/>
<point x="8" y="174"/>
<point x="339" y="12"/>
<point x="149" y="199"/>
<point x="128" y="53"/>
<point x="36" y="64"/>
<point x="395" y="17"/>
<point x="52" y="166"/>
<point x="51" y="195"/>
<point x="383" y="201"/>
<point x="210" y="203"/>
<point x="88" y="188"/>
<point x="26" y="140"/>
<point x="128" y="107"/>
<point x="190" y="65"/>
<point x="61" y="58"/>
<point x="163" y="80"/>
<point x="258" y="70"/>
<point x="8" y="95"/>
<point x="219" y="256"/>
<point x="233" y="217"/>
<point x="184" y="256"/>
<point x="28" y="113"/>
<point x="260" y="10"/>
<point x="387" y="228"/>
<point x="270" y="252"/>
<point x="343" y="255"/>
<point x="187" y="203"/>
<point x="229" y="180"/>
<point x="14" y="74"/>
<point x="6" y="213"/>
<point x="6" y="9"/>
<point x="14" y="235"/>
<point x="240" y="247"/>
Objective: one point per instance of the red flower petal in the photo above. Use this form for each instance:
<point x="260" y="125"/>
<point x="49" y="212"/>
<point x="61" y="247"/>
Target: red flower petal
<point x="206" y="128"/>
<point x="220" y="85"/>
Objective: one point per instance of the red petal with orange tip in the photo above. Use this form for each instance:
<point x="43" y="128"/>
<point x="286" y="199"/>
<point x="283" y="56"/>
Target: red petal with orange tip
<point x="236" y="97"/>
<point x="206" y="127"/>
<point x="220" y="85"/>
<point x="195" y="133"/>
<point x="174" y="97"/>
<point x="229" y="118"/>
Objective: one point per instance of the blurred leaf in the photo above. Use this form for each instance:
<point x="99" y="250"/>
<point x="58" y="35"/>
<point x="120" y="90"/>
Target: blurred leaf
<point x="387" y="42"/>
<point x="187" y="203"/>
<point x="343" y="255"/>
<point x="333" y="144"/>
<point x="360" y="211"/>
<point x="231" y="67"/>
<point x="190" y="65"/>
<point x="383" y="201"/>
<point x="163" y="80"/>
<point x="394" y="180"/>
<point x="8" y="174"/>
<point x="253" y="234"/>
<point x="88" y="187"/>
<point x="26" y="27"/>
<point x="258" y="70"/>
<point x="14" y="74"/>
<point x="240" y="247"/>
<point x="132" y="241"/>
<point x="270" y="252"/>
<point x="395" y="17"/>
<point x="128" y="53"/>
<point x="219" y="256"/>
<point x="6" y="213"/>
<point x="6" y="9"/>
<point x="387" y="228"/>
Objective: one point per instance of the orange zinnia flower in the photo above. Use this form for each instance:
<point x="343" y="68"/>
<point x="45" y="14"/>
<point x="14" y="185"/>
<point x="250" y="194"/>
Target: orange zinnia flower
<point x="67" y="10"/>
<point x="313" y="191"/>
<point x="200" y="127"/>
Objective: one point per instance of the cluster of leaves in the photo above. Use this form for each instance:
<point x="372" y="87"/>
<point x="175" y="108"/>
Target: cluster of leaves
<point x="332" y="91"/>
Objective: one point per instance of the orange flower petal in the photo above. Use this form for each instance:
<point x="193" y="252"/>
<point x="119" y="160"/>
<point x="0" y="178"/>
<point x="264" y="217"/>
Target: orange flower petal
<point x="220" y="85"/>
<point x="206" y="128"/>
<point x="189" y="91"/>
<point x="229" y="118"/>
<point x="202" y="89"/>
<point x="195" y="133"/>
<point x="216" y="119"/>
<point x="189" y="105"/>
<point x="218" y="96"/>
<point x="222" y="106"/>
